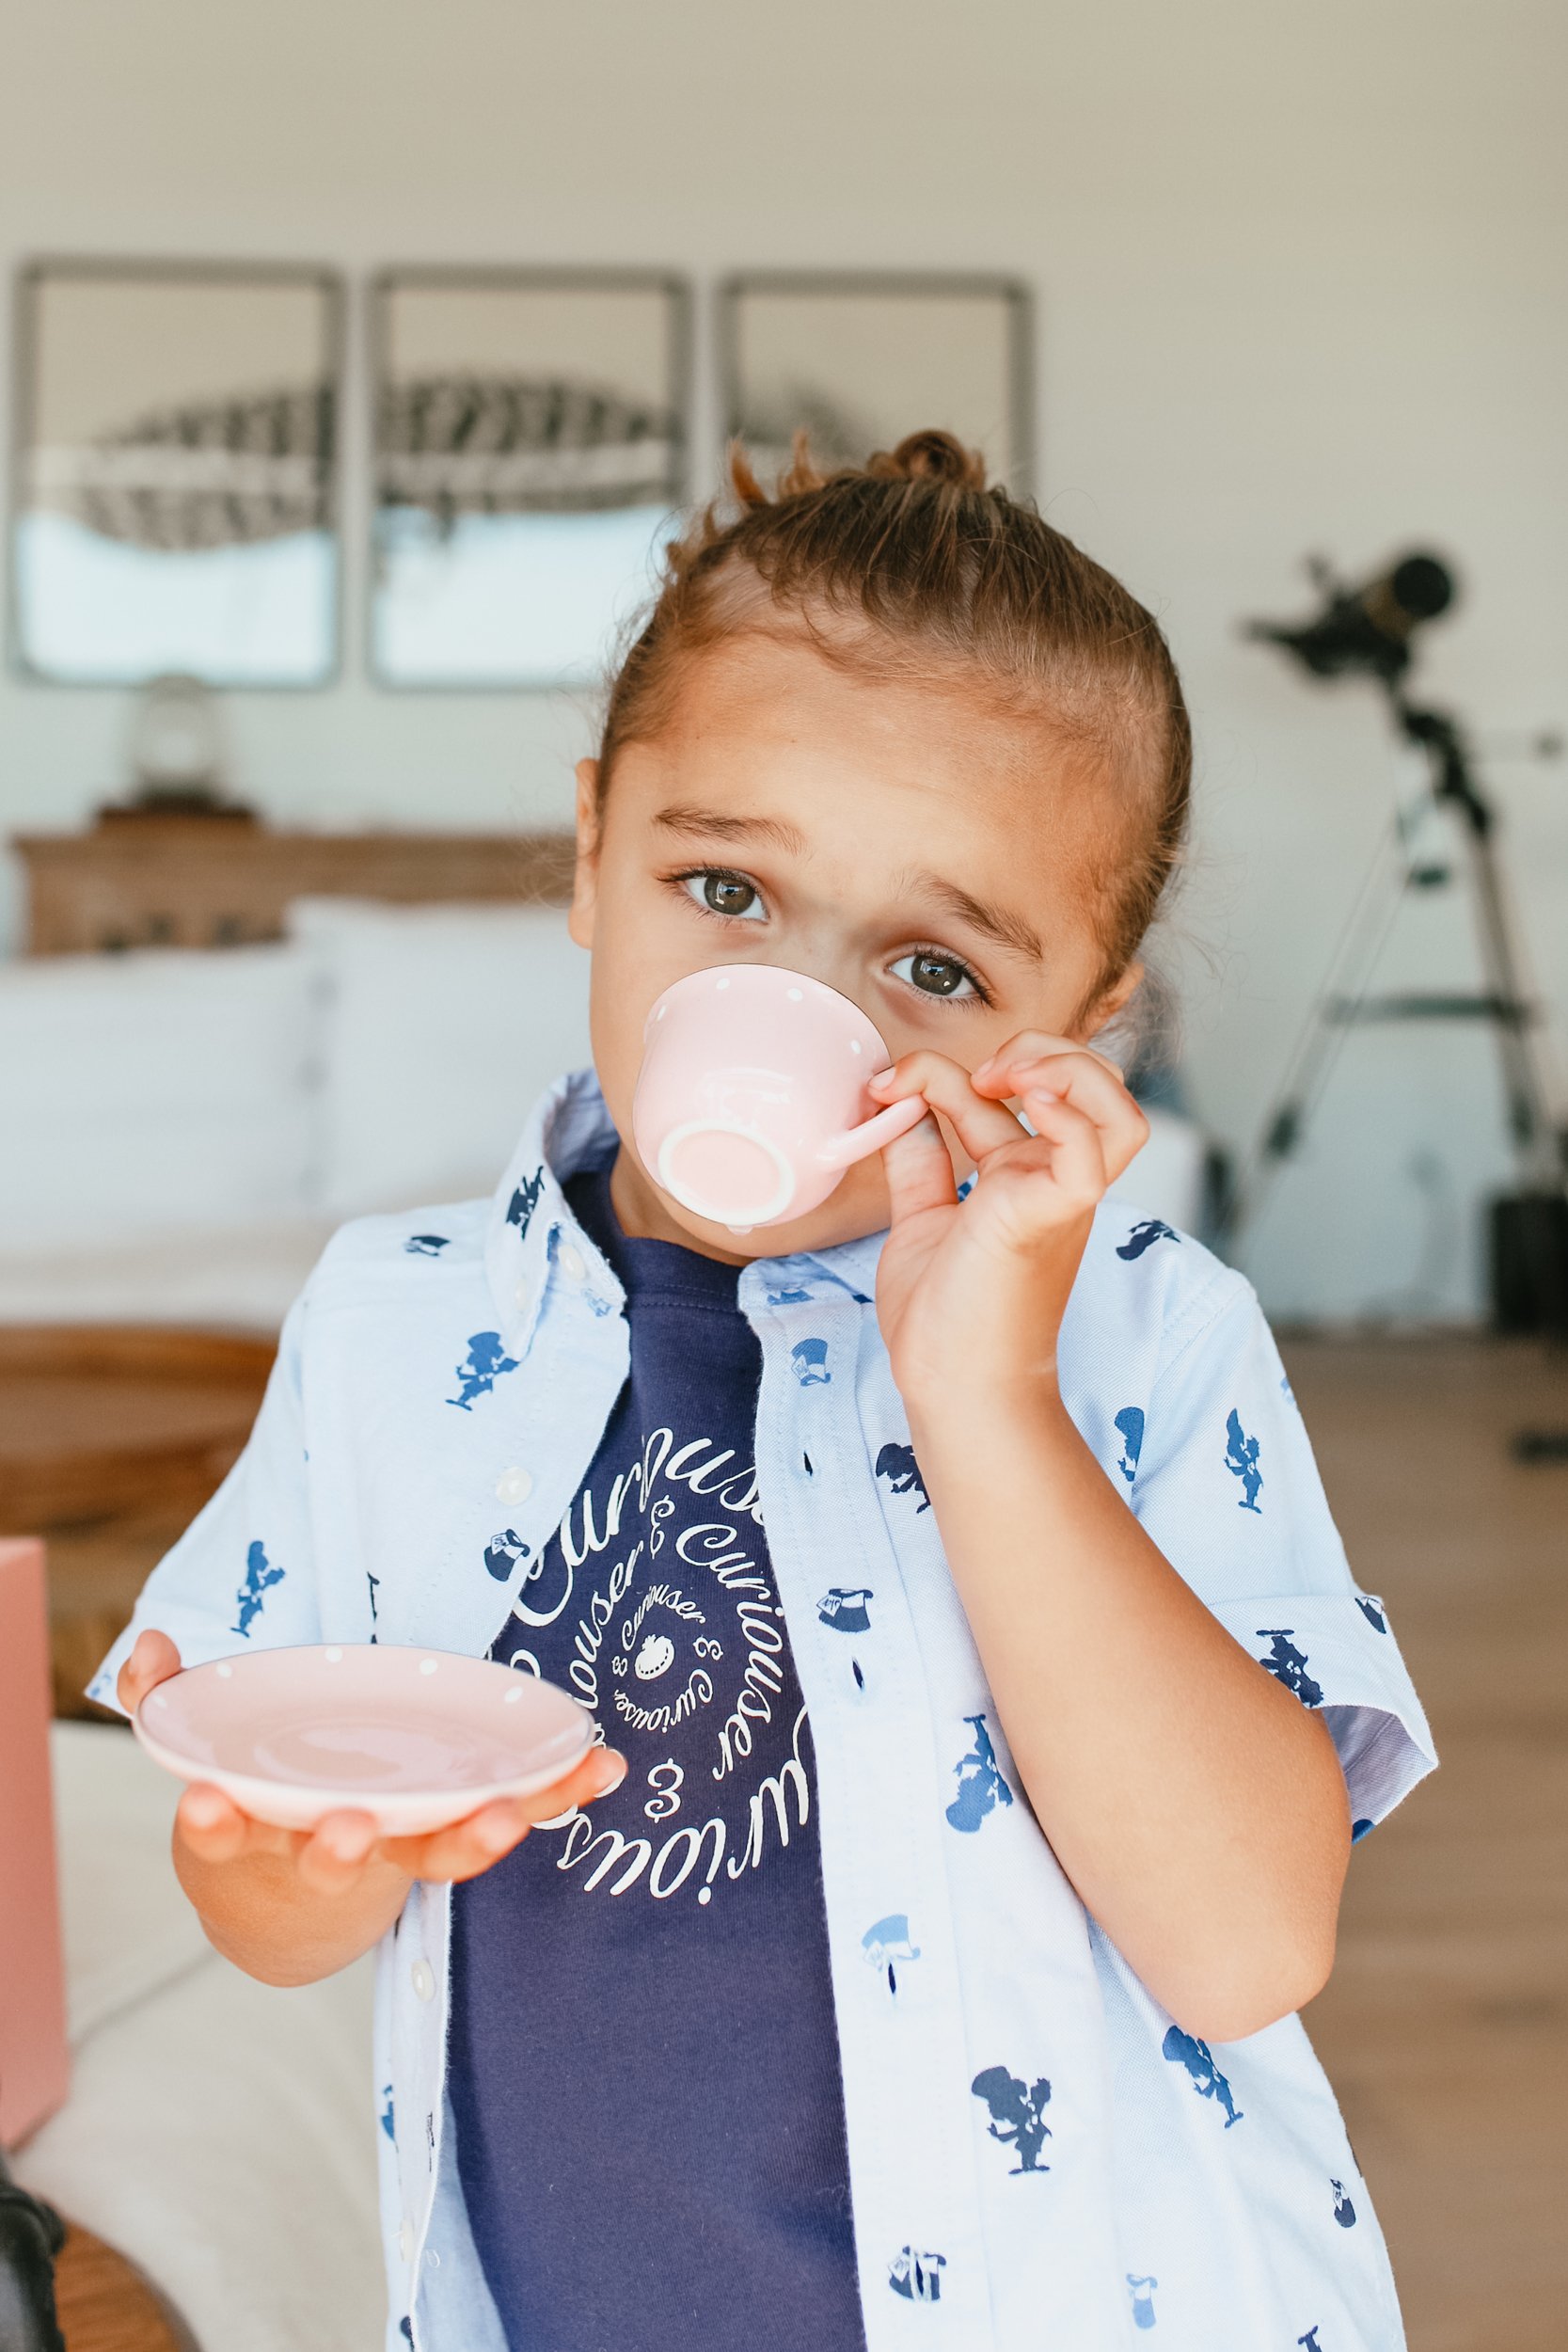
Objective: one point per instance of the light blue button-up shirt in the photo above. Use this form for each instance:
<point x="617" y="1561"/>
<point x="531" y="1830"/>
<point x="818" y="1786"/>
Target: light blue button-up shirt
<point x="1038" y="2154"/>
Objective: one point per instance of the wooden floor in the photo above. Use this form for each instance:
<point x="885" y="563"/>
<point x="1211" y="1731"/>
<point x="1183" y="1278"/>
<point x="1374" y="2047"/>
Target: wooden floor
<point x="105" y="2304"/>
<point x="1444" y="2028"/>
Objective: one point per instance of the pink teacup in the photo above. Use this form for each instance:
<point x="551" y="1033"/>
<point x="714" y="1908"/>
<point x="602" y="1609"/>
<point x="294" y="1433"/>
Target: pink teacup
<point x="752" y="1101"/>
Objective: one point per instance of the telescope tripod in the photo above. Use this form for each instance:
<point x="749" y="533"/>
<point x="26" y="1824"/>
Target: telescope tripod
<point x="1534" y="1229"/>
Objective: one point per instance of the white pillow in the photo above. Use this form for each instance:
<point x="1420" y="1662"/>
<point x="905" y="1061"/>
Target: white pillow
<point x="441" y="1025"/>
<point x="149" y="1090"/>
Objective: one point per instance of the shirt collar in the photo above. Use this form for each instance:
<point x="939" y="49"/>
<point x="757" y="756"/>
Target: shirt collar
<point x="529" y="1221"/>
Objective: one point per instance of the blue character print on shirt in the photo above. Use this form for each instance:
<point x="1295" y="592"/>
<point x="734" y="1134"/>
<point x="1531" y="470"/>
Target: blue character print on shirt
<point x="425" y="1244"/>
<point x="1129" y="1420"/>
<point x="502" y="1553"/>
<point x="374" y="1584"/>
<point x="887" y="1941"/>
<point x="405" y="2329"/>
<point x="387" y="2123"/>
<point x="1017" y="2114"/>
<point x="1144" y="1236"/>
<point x="1184" y="2049"/>
<point x="916" y="2277"/>
<point x="1142" y="2292"/>
<point x="1358" y="1829"/>
<point x="1373" y="1613"/>
<point x="898" y="1464"/>
<point x="1309" y="2341"/>
<point x="1240" y="1460"/>
<point x="260" y="1577"/>
<point x="981" y="1786"/>
<point x="520" y="1208"/>
<point x="843" y="1607"/>
<point x="486" y="1361"/>
<point x="1287" y="1664"/>
<point x="1344" y="2212"/>
<point x="810" y="1363"/>
<point x="789" y="1298"/>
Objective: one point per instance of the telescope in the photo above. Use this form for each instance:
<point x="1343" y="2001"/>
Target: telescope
<point x="1369" y="628"/>
<point x="1366" y="632"/>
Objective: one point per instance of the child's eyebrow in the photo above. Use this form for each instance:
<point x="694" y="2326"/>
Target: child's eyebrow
<point x="717" y="827"/>
<point x="998" y="923"/>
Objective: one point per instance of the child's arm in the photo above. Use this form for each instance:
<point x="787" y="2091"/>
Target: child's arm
<point x="290" y="1907"/>
<point x="1198" y="1808"/>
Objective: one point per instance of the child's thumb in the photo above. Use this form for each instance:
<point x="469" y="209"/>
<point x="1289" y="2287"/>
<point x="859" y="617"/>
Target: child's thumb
<point x="152" y="1660"/>
<point x="919" y="1171"/>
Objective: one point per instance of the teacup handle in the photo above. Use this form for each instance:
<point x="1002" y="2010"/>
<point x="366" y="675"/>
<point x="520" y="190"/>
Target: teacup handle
<point x="858" y="1143"/>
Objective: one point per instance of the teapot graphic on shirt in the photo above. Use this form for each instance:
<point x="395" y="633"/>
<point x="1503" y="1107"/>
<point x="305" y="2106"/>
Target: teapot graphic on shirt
<point x="656" y="1657"/>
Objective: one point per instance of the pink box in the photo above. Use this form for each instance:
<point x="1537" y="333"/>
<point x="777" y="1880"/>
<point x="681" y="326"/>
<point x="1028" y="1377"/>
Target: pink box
<point x="35" y="2066"/>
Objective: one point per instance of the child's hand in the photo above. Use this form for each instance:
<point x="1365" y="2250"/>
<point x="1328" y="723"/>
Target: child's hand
<point x="346" y="1849"/>
<point x="974" y="1296"/>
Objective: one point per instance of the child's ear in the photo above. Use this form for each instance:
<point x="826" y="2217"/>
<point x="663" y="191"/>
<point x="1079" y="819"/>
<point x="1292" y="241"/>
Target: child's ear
<point x="1116" y="998"/>
<point x="585" y="876"/>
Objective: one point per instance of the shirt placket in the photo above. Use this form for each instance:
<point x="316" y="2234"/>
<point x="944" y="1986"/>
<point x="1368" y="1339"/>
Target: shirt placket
<point x="573" y="1342"/>
<point x="919" y="2238"/>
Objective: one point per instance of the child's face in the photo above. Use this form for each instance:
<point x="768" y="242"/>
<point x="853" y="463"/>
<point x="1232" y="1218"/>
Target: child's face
<point x="922" y="856"/>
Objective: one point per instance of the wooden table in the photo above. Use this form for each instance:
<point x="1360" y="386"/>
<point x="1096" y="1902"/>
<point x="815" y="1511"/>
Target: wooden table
<point x="111" y="1436"/>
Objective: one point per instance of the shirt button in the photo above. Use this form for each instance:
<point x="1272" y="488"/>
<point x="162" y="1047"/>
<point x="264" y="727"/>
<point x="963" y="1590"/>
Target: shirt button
<point x="405" y="2241"/>
<point x="570" y="1261"/>
<point x="423" y="1978"/>
<point x="515" y="1485"/>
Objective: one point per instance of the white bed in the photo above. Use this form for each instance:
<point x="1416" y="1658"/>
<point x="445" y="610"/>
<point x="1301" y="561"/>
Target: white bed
<point x="218" y="2131"/>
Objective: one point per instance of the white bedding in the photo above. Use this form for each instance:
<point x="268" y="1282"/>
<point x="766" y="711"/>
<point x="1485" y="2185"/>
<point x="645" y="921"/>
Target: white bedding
<point x="235" y="1278"/>
<point x="218" y="2131"/>
<point x="244" y="1277"/>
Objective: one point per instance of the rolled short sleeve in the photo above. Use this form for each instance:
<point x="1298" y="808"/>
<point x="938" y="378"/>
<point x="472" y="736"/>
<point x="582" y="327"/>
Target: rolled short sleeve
<point x="243" y="1575"/>
<point x="1227" y="1486"/>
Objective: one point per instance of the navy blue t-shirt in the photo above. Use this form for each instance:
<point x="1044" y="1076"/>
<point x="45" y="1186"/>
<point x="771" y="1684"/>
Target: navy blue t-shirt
<point x="644" y="2057"/>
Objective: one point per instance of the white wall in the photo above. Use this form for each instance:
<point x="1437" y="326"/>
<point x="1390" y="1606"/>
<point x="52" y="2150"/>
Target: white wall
<point x="1301" y="278"/>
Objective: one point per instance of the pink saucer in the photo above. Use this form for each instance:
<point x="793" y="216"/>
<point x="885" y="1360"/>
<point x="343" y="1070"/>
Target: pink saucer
<point x="416" y="1738"/>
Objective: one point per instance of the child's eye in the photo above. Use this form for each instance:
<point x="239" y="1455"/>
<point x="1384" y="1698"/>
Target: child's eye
<point x="936" y="975"/>
<point x="723" y="892"/>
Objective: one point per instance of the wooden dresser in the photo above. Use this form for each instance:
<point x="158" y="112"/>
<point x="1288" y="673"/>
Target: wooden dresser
<point x="222" y="880"/>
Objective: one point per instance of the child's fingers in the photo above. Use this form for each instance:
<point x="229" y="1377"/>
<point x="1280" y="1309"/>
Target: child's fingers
<point x="980" y="1126"/>
<point x="1092" y="1088"/>
<point x="599" y="1772"/>
<point x="1077" y="1171"/>
<point x="213" y="1829"/>
<point x="470" y="1846"/>
<point x="1031" y="1045"/>
<point x="152" y="1660"/>
<point x="332" y="1857"/>
<point x="467" y="1848"/>
<point x="919" y="1171"/>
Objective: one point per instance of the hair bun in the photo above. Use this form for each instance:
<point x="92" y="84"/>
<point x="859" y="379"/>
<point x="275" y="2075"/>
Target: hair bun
<point x="934" y="455"/>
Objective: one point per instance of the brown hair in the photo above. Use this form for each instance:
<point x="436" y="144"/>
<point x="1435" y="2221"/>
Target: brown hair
<point x="910" y="565"/>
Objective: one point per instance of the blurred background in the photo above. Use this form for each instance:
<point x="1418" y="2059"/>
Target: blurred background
<point x="358" y="361"/>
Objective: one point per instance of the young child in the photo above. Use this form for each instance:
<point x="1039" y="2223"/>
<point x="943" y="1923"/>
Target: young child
<point x="979" y="1674"/>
